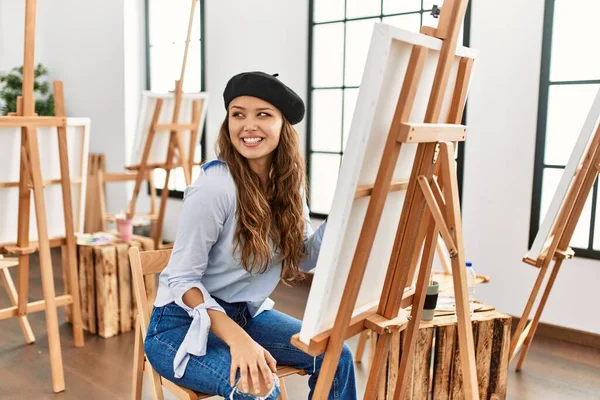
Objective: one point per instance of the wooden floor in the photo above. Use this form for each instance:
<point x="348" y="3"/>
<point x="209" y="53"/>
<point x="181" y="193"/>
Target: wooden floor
<point x="102" y="369"/>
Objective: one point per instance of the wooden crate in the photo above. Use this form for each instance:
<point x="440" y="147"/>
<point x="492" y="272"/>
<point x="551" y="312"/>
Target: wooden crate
<point x="108" y="306"/>
<point x="436" y="368"/>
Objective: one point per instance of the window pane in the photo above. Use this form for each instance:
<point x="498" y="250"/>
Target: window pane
<point x="428" y="20"/>
<point x="165" y="67"/>
<point x="350" y="96"/>
<point x="328" y="10"/>
<point x="358" y="38"/>
<point x="168" y="21"/>
<point x="410" y="22"/>
<point x="428" y="4"/>
<point x="568" y="106"/>
<point x="159" y="178"/>
<point x="574" y="40"/>
<point x="323" y="180"/>
<point x="326" y="127"/>
<point x="400" y="6"/>
<point x="176" y="180"/>
<point x="363" y="8"/>
<point x="195" y="172"/>
<point x="328" y="55"/>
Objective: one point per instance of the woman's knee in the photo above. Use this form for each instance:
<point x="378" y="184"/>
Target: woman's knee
<point x="347" y="357"/>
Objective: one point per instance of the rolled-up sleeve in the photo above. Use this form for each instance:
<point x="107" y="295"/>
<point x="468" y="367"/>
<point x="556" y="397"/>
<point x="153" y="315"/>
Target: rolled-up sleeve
<point x="312" y="241"/>
<point x="205" y="208"/>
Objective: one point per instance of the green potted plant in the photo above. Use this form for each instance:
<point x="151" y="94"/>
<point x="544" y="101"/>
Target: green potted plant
<point x="11" y="84"/>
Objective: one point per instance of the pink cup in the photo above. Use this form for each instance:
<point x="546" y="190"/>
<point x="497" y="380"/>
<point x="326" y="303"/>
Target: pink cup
<point x="125" y="228"/>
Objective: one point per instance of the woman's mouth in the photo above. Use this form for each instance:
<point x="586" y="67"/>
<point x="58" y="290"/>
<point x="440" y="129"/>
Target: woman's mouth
<point x="252" y="141"/>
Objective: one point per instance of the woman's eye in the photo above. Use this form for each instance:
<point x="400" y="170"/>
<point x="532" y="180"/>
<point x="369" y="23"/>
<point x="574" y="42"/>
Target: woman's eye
<point x="236" y="114"/>
<point x="263" y="114"/>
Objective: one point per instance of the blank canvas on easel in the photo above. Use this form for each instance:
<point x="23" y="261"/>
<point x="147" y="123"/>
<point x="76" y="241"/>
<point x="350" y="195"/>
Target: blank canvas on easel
<point x="78" y="130"/>
<point x="384" y="73"/>
<point x="160" y="144"/>
<point x="543" y="237"/>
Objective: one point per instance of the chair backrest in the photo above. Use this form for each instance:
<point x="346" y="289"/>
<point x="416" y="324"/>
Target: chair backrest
<point x="145" y="263"/>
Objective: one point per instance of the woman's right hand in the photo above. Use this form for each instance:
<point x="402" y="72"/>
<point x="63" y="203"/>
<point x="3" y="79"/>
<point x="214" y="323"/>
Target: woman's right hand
<point x="252" y="360"/>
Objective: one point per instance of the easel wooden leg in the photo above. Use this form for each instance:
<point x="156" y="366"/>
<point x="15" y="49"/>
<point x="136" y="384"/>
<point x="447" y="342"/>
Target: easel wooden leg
<point x="58" y="380"/>
<point x="164" y="197"/>
<point x="538" y="313"/>
<point x="443" y="259"/>
<point x="419" y="244"/>
<point x="23" y="225"/>
<point x="411" y="333"/>
<point x="360" y="348"/>
<point x="8" y="283"/>
<point x="71" y="244"/>
<point x="143" y="170"/>
<point x="459" y="274"/>
<point x="517" y="339"/>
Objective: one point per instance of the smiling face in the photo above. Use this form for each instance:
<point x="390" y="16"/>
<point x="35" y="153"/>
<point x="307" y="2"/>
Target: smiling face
<point x="254" y="129"/>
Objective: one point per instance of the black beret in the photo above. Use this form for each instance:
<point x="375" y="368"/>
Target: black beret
<point x="268" y="88"/>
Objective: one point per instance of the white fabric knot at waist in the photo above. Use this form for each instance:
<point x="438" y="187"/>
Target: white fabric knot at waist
<point x="196" y="337"/>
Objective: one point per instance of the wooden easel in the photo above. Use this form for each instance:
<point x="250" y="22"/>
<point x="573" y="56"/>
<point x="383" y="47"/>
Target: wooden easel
<point x="557" y="249"/>
<point x="31" y="180"/>
<point x="431" y="207"/>
<point x="176" y="154"/>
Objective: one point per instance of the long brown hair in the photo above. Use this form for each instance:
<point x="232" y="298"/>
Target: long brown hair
<point x="272" y="212"/>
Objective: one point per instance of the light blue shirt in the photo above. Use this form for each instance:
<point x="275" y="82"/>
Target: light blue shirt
<point x="203" y="258"/>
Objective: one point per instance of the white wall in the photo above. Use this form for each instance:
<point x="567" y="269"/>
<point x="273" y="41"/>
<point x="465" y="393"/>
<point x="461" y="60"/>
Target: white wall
<point x="499" y="163"/>
<point x="257" y="35"/>
<point x="12" y="15"/>
<point x="83" y="43"/>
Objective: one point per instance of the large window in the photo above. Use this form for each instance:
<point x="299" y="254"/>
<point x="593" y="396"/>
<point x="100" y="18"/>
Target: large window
<point x="166" y="32"/>
<point x="340" y="33"/>
<point x="570" y="78"/>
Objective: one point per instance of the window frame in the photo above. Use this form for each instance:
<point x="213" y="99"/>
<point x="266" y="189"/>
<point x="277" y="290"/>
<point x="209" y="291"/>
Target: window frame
<point x="310" y="88"/>
<point x="540" y="143"/>
<point x="174" y="193"/>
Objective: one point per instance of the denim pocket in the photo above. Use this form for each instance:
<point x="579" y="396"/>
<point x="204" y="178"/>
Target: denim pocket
<point x="157" y="314"/>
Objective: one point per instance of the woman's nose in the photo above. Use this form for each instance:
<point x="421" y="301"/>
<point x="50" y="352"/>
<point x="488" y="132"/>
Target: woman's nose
<point x="250" y="126"/>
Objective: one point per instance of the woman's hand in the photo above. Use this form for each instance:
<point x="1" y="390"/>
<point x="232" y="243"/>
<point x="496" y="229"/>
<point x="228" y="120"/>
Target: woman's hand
<point x="252" y="360"/>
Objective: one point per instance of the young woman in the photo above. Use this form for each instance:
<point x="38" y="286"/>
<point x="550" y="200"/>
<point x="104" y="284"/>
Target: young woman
<point x="244" y="226"/>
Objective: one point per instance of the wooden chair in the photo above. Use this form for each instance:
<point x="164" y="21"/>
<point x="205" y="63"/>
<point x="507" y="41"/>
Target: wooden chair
<point x="151" y="263"/>
<point x="9" y="285"/>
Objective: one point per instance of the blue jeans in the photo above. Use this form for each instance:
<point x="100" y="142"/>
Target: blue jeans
<point x="210" y="373"/>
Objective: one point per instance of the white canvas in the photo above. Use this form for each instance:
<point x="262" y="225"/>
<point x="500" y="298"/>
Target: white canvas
<point x="160" y="144"/>
<point x="78" y="130"/>
<point x="384" y="73"/>
<point x="543" y="238"/>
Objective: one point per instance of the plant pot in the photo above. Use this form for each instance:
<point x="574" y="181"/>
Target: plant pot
<point x="430" y="301"/>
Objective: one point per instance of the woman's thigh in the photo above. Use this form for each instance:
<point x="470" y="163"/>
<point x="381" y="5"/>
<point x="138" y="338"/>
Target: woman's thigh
<point x="273" y="330"/>
<point x="207" y="374"/>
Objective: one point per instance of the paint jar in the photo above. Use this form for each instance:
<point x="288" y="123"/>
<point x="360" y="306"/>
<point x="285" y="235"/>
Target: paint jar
<point x="125" y="228"/>
<point x="430" y="301"/>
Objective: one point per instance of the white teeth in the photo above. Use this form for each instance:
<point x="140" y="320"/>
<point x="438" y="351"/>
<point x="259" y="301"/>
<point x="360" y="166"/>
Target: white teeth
<point x="252" y="140"/>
